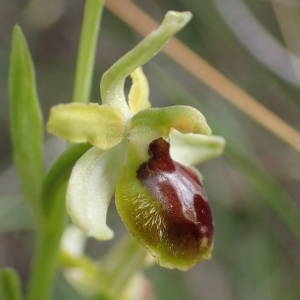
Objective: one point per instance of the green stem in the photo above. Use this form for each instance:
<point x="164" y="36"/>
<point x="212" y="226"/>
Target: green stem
<point x="87" y="50"/>
<point x="52" y="225"/>
<point x="46" y="261"/>
<point x="51" y="229"/>
<point x="48" y="244"/>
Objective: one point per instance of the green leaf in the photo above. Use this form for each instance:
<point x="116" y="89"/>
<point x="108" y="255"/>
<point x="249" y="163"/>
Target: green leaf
<point x="26" y="119"/>
<point x="191" y="149"/>
<point x="100" y="125"/>
<point x="112" y="82"/>
<point x="14" y="214"/>
<point x="91" y="187"/>
<point x="10" y="287"/>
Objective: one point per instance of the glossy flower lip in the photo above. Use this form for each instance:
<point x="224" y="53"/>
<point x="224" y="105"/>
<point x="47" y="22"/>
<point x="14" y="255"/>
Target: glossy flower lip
<point x="168" y="210"/>
<point x="178" y="188"/>
<point x="164" y="177"/>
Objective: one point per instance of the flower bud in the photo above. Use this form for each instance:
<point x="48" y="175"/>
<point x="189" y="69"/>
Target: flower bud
<point x="166" y="208"/>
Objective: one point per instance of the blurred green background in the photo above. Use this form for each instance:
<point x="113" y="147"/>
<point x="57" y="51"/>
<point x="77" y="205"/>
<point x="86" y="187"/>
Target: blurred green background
<point x="254" y="188"/>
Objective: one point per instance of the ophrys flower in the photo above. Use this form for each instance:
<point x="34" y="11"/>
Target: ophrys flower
<point x="145" y="155"/>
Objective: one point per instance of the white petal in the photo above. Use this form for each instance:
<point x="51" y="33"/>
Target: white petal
<point x="73" y="241"/>
<point x="91" y="187"/>
<point x="191" y="149"/>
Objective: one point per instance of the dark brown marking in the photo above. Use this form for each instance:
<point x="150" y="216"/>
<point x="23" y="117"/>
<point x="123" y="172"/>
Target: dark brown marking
<point x="181" y="192"/>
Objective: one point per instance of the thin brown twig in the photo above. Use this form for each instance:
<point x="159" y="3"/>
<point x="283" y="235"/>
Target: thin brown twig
<point x="142" y="23"/>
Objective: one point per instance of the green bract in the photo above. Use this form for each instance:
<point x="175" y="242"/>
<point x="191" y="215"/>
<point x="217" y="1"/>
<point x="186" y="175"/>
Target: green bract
<point x="131" y="141"/>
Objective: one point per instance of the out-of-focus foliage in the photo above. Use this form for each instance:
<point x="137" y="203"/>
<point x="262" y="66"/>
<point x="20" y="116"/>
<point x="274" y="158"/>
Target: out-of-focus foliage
<point x="256" y="255"/>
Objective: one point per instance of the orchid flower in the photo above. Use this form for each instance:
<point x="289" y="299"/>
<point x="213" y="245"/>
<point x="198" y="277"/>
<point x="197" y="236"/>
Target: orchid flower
<point x="143" y="156"/>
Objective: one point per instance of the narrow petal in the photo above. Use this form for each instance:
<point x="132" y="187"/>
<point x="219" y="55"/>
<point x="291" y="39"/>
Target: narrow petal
<point x="100" y="125"/>
<point x="138" y="97"/>
<point x="91" y="187"/>
<point x="112" y="81"/>
<point x="191" y="149"/>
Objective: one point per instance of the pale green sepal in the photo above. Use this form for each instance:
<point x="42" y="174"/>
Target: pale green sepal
<point x="112" y="82"/>
<point x="185" y="119"/>
<point x="152" y="123"/>
<point x="191" y="149"/>
<point x="91" y="187"/>
<point x="100" y="125"/>
<point x="138" y="97"/>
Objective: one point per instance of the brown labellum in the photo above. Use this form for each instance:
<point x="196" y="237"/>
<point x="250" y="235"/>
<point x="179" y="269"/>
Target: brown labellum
<point x="184" y="233"/>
